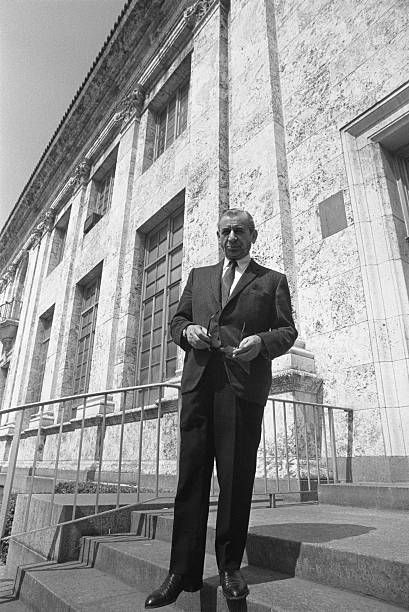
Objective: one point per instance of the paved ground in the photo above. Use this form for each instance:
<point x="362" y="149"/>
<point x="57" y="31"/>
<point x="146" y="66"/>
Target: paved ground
<point x="378" y="533"/>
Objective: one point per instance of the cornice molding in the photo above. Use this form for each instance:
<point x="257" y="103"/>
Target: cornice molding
<point x="114" y="67"/>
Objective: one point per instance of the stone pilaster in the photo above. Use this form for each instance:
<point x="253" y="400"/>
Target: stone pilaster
<point x="207" y="187"/>
<point x="258" y="162"/>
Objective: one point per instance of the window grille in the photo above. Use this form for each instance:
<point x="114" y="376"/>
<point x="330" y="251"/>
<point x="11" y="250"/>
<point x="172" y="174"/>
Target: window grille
<point x="161" y="286"/>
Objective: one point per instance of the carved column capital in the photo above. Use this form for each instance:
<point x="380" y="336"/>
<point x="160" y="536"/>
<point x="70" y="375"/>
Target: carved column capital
<point x="37" y="234"/>
<point x="131" y="105"/>
<point x="11" y="272"/>
<point x="81" y="173"/>
<point x="49" y="220"/>
<point x="197" y="11"/>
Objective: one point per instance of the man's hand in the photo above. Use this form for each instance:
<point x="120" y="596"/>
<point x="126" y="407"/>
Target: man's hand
<point x="248" y="348"/>
<point x="197" y="337"/>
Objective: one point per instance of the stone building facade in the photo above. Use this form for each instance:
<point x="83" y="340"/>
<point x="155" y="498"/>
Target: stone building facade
<point x="297" y="111"/>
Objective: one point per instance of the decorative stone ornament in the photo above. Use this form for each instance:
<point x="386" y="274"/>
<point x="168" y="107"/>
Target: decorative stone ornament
<point x="81" y="173"/>
<point x="130" y="106"/>
<point x="195" y="13"/>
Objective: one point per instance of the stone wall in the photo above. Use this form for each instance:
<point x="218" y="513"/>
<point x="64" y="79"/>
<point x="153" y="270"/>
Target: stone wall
<point x="272" y="84"/>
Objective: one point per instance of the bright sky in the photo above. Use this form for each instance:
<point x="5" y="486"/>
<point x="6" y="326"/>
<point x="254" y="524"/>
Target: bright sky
<point x="46" y="50"/>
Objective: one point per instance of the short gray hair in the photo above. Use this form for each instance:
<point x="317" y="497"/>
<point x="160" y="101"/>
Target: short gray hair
<point x="233" y="212"/>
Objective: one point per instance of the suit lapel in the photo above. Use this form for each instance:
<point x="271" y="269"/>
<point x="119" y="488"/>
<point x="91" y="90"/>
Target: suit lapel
<point x="248" y="275"/>
<point x="215" y="282"/>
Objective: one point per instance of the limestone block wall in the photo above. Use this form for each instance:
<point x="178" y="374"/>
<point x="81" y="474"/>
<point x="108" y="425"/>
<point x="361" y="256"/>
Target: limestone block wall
<point x="336" y="59"/>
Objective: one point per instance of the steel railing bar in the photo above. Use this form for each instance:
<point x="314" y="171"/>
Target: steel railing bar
<point x="297" y="454"/>
<point x="333" y="443"/>
<point x="263" y="425"/>
<point x="158" y="424"/>
<point x="316" y="444"/>
<point x="70" y="522"/>
<point x="324" y="429"/>
<point x="286" y="445"/>
<point x="56" y="463"/>
<point x="101" y="452"/>
<point x="34" y="467"/>
<point x="141" y="418"/>
<point x="178" y="434"/>
<point x="77" y="475"/>
<point x="121" y="446"/>
<point x="81" y="396"/>
<point x="307" y="452"/>
<point x="275" y="448"/>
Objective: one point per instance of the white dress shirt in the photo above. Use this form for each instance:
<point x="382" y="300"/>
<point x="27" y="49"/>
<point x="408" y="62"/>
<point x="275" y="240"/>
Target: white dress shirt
<point x="240" y="268"/>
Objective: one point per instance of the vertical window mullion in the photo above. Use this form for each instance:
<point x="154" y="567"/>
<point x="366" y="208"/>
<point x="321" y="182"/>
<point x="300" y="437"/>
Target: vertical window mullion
<point x="166" y="126"/>
<point x="151" y="338"/>
<point x="165" y="302"/>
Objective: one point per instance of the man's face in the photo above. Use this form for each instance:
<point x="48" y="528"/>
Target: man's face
<point x="235" y="236"/>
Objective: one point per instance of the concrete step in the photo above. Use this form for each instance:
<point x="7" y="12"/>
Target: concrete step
<point x="75" y="587"/>
<point x="382" y="496"/>
<point x="365" y="551"/>
<point x="145" y="562"/>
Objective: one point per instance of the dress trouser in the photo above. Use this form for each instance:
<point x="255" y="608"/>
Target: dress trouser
<point x="215" y="423"/>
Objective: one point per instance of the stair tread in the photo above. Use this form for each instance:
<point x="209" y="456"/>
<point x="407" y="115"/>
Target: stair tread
<point x="90" y="589"/>
<point x="273" y="590"/>
<point x="371" y="532"/>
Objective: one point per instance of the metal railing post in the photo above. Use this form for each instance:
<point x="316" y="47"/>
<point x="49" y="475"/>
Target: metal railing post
<point x="101" y="452"/>
<point x="275" y="447"/>
<point x="264" y="456"/>
<point x="11" y="469"/>
<point x="141" y="418"/>
<point x="333" y="443"/>
<point x="33" y="469"/>
<point x="77" y="474"/>
<point x="121" y="446"/>
<point x="158" y="422"/>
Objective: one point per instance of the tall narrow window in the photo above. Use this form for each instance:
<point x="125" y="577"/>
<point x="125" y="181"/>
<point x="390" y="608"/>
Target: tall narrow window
<point x="101" y="190"/>
<point x="44" y="333"/>
<point x="401" y="169"/>
<point x="162" y="276"/>
<point x="104" y="189"/>
<point x="172" y="121"/>
<point x="88" y="317"/>
<point x="59" y="238"/>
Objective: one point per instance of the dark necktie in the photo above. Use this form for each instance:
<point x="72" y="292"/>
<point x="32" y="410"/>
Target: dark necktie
<point x="227" y="280"/>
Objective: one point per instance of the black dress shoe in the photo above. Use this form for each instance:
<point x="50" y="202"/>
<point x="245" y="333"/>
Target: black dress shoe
<point x="170" y="590"/>
<point x="233" y="584"/>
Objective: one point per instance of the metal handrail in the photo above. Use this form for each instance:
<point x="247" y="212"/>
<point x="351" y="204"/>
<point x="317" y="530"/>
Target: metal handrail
<point x="302" y="426"/>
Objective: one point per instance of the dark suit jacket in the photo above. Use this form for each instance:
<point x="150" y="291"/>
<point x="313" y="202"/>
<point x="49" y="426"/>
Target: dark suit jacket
<point x="261" y="300"/>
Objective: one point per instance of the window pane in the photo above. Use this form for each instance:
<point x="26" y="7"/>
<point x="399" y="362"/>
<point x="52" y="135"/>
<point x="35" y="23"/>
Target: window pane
<point x="160" y="295"/>
<point x="89" y="309"/>
<point x="175" y="274"/>
<point x="146" y="340"/>
<point x="145" y="359"/>
<point x="161" y="133"/>
<point x="159" y="302"/>
<point x="170" y="368"/>
<point x="183" y="106"/>
<point x="174" y="294"/>
<point x="170" y="132"/>
<point x="176" y="259"/>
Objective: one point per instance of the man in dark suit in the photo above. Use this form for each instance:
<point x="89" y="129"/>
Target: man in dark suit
<point x="233" y="318"/>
